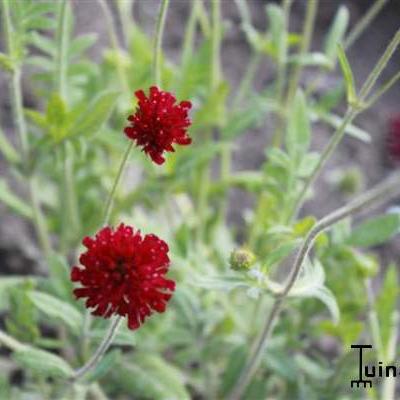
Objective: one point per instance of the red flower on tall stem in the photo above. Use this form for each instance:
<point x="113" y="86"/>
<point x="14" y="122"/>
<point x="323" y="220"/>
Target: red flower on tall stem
<point x="393" y="142"/>
<point x="158" y="123"/>
<point x="123" y="273"/>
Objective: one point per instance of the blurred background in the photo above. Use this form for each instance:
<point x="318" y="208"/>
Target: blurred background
<point x="17" y="248"/>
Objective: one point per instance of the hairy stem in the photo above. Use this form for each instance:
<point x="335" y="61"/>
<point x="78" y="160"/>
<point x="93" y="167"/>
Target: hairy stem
<point x="121" y="169"/>
<point x="375" y="196"/>
<point x="158" y="41"/>
<point x="101" y="350"/>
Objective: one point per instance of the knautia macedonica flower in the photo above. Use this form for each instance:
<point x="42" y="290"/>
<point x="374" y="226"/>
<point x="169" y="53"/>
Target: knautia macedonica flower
<point x="123" y="273"/>
<point x="394" y="138"/>
<point x="158" y="123"/>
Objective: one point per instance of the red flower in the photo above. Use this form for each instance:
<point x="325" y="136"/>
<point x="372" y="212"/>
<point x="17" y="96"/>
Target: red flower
<point x="158" y="123"/>
<point x="124" y="273"/>
<point x="394" y="138"/>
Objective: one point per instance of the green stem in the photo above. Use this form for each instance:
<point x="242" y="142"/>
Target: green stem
<point x="247" y="80"/>
<point x="383" y="192"/>
<point x="121" y="169"/>
<point x="350" y="115"/>
<point x="380" y="66"/>
<point x="330" y="148"/>
<point x="61" y="57"/>
<point x="389" y="383"/>
<point x="123" y="79"/>
<point x="71" y="197"/>
<point x="158" y="41"/>
<point x="214" y="81"/>
<point x="38" y="218"/>
<point x="383" y="89"/>
<point x="376" y="336"/>
<point x="308" y="28"/>
<point x="187" y="47"/>
<point x="364" y="22"/>
<point x="101" y="350"/>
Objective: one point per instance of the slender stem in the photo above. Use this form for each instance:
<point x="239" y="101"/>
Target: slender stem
<point x="312" y="6"/>
<point x="187" y="47"/>
<point x="124" y="8"/>
<point x="158" y="41"/>
<point x="281" y="76"/>
<point x="380" y="66"/>
<point x="101" y="350"/>
<point x="62" y="37"/>
<point x="389" y="383"/>
<point x="213" y="83"/>
<point x="38" y="218"/>
<point x="70" y="194"/>
<point x="383" y="89"/>
<point x="123" y="79"/>
<point x="375" y="196"/>
<point x="247" y="80"/>
<point x="330" y="148"/>
<point x="349" y="116"/>
<point x="364" y="22"/>
<point x="121" y="169"/>
<point x="216" y="44"/>
<point x="374" y="323"/>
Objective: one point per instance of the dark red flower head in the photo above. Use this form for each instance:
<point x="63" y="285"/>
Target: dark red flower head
<point x="158" y="123"/>
<point x="124" y="273"/>
<point x="394" y="138"/>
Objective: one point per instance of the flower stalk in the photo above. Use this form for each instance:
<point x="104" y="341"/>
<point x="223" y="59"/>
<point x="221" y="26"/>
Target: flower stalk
<point x="374" y="197"/>
<point x="101" y="350"/>
<point x="158" y="41"/>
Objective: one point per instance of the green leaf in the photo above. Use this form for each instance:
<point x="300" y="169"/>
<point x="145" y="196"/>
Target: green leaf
<point x="9" y="282"/>
<point x="13" y="201"/>
<point x="43" y="363"/>
<point x="107" y="363"/>
<point x="92" y="118"/>
<point x="245" y="118"/>
<point x="60" y="280"/>
<point x="56" y="116"/>
<point x="307" y="164"/>
<point x="43" y="43"/>
<point x="7" y="149"/>
<point x="277" y="32"/>
<point x="352" y="130"/>
<point x="375" y="231"/>
<point x="348" y="75"/>
<point x="6" y="63"/>
<point x="311" y="60"/>
<point x="212" y="112"/>
<point x="311" y="284"/>
<point x="234" y="367"/>
<point x="151" y="377"/>
<point x="57" y="309"/>
<point x="299" y="130"/>
<point x="81" y="43"/>
<point x="336" y="32"/>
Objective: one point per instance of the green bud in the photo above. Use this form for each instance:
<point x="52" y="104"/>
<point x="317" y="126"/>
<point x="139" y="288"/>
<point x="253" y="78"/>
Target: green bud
<point x="242" y="259"/>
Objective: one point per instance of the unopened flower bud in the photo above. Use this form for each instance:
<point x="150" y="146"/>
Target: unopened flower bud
<point x="242" y="259"/>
